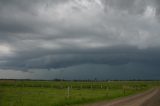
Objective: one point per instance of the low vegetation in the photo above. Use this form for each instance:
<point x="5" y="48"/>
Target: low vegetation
<point x="66" y="93"/>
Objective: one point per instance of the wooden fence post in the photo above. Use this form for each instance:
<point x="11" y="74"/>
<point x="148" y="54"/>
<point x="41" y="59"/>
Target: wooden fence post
<point x="68" y="92"/>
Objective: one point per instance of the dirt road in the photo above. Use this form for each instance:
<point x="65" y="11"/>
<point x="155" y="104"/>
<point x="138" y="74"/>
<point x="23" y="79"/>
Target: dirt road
<point x="149" y="98"/>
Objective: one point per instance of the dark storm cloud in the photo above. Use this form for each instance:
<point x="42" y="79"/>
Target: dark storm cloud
<point x="48" y="34"/>
<point x="62" y="59"/>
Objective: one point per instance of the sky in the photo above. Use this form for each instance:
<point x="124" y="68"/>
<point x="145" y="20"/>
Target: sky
<point x="80" y="39"/>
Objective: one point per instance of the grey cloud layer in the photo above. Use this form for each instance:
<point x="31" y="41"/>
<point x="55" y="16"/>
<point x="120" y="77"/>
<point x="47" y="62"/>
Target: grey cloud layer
<point x="63" y="33"/>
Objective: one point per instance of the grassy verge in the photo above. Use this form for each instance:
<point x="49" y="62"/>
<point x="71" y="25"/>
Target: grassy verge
<point x="57" y="94"/>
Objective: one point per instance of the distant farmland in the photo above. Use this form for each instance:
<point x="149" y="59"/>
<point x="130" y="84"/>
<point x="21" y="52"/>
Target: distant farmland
<point x="66" y="93"/>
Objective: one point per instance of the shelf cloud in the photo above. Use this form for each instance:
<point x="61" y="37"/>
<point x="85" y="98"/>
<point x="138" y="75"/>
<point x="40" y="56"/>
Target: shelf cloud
<point x="62" y="34"/>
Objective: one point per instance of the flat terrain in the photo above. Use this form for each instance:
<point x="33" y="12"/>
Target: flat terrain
<point x="77" y="93"/>
<point x="149" y="98"/>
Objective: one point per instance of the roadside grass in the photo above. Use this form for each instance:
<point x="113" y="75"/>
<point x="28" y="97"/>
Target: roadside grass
<point x="51" y="93"/>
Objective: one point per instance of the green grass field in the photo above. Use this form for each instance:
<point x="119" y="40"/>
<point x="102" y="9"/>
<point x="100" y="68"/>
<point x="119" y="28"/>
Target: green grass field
<point x="66" y="93"/>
